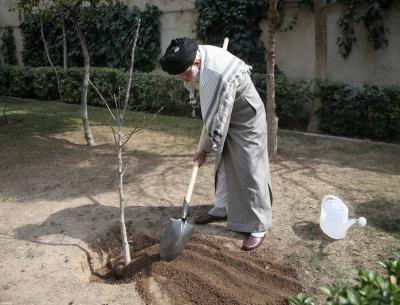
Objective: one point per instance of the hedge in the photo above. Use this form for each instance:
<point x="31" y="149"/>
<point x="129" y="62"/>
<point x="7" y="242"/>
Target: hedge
<point x="150" y="90"/>
<point x="365" y="112"/>
<point x="108" y="30"/>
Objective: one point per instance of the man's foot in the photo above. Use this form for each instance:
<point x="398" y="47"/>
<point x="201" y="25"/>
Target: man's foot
<point x="252" y="242"/>
<point x="207" y="218"/>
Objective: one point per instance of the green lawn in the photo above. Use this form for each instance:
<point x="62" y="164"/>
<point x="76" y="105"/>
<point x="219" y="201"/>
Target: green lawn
<point x="37" y="117"/>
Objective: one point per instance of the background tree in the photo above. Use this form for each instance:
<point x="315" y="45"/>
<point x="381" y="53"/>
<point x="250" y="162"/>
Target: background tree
<point x="272" y="118"/>
<point x="321" y="51"/>
<point x="71" y="9"/>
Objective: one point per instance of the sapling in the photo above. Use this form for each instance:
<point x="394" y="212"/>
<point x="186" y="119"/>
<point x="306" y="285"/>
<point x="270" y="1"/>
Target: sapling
<point x="122" y="137"/>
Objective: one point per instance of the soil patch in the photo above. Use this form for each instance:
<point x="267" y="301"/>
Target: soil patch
<point x="58" y="195"/>
<point x="206" y="272"/>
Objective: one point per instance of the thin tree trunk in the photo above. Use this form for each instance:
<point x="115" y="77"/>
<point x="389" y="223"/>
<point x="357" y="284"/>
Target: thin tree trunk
<point x="320" y="29"/>
<point x="124" y="237"/>
<point x="272" y="119"/>
<point x="121" y="119"/>
<point x="49" y="58"/>
<point x="85" y="86"/>
<point x="65" y="46"/>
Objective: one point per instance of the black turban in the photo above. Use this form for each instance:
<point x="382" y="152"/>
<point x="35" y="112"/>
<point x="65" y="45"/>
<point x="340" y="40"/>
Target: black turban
<point x="179" y="55"/>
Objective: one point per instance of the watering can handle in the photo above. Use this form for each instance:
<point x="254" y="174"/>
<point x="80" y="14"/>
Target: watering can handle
<point x="331" y="197"/>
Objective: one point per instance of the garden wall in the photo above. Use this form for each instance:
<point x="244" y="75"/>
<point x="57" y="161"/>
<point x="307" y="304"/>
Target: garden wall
<point x="295" y="49"/>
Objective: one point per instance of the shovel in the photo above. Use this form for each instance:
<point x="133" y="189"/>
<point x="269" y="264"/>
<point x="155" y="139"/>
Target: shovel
<point x="177" y="232"/>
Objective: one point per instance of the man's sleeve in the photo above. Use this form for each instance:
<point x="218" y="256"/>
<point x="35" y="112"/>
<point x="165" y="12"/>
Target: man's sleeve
<point x="205" y="142"/>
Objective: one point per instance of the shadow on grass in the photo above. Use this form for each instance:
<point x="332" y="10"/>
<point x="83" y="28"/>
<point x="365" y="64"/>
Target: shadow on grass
<point x="310" y="152"/>
<point x="28" y="117"/>
<point x="46" y="168"/>
<point x="381" y="214"/>
<point x="311" y="231"/>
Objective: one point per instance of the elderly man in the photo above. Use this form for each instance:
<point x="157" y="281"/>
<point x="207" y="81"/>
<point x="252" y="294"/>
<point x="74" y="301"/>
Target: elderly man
<point x="235" y="129"/>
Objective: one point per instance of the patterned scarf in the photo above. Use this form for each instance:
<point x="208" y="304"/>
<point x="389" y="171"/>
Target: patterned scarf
<point x="220" y="75"/>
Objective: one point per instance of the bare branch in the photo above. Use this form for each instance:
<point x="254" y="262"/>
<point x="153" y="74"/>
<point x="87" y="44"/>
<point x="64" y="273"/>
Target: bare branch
<point x="131" y="68"/>
<point x="49" y="58"/>
<point x="139" y="129"/>
<point x="102" y="98"/>
<point x="115" y="139"/>
<point x="126" y="165"/>
<point x="116" y="104"/>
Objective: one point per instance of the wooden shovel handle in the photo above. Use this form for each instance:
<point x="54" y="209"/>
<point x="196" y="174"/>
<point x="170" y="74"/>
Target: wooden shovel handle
<point x="192" y="181"/>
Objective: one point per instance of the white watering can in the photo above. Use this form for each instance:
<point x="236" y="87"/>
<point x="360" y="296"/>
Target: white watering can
<point x="334" y="220"/>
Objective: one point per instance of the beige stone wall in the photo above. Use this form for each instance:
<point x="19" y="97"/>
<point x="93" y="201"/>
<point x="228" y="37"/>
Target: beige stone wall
<point x="178" y="18"/>
<point x="10" y="18"/>
<point x="295" y="49"/>
<point x="364" y="64"/>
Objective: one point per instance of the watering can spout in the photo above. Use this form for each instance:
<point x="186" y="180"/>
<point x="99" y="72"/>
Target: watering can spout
<point x="349" y="224"/>
<point x="362" y="222"/>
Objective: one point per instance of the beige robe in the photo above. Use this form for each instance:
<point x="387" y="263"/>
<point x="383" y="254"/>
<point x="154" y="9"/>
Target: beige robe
<point x="246" y="163"/>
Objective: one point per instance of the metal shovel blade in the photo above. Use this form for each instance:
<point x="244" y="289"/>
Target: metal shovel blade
<point x="176" y="234"/>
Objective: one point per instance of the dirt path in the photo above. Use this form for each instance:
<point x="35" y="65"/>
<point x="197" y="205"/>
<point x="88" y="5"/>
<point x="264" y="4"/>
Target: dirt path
<point x="59" y="207"/>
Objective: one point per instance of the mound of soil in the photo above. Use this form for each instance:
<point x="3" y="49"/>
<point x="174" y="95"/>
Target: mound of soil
<point x="206" y="272"/>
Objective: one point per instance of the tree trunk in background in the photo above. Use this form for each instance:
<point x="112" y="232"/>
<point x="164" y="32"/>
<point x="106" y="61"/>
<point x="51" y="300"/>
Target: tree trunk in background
<point x="320" y="29"/>
<point x="85" y="86"/>
<point x="65" y="49"/>
<point x="272" y="119"/>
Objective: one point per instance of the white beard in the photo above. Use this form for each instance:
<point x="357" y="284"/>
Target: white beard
<point x="195" y="77"/>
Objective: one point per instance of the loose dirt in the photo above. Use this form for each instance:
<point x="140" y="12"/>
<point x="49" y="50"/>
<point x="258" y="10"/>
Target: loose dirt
<point x="206" y="272"/>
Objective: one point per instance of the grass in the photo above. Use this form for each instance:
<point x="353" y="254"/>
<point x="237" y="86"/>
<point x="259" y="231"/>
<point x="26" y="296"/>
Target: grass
<point x="45" y="118"/>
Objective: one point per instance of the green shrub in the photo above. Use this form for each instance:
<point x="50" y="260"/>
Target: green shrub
<point x="372" y="288"/>
<point x="156" y="89"/>
<point x="5" y="71"/>
<point x="240" y="21"/>
<point x="291" y="99"/>
<point x="108" y="31"/>
<point x="21" y="80"/>
<point x="150" y="91"/>
<point x="44" y="85"/>
<point x="367" y="112"/>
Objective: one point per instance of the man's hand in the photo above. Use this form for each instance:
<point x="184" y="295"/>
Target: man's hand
<point x="200" y="157"/>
